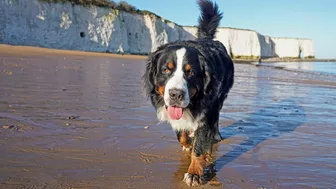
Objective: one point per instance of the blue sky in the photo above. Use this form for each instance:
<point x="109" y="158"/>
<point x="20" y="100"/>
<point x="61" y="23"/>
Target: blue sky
<point x="315" y="19"/>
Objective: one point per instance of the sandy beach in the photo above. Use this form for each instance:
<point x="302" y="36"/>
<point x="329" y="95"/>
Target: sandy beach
<point x="80" y="120"/>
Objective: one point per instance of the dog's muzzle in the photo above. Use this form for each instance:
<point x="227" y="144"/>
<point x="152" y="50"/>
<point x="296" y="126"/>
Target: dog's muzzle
<point x="176" y="96"/>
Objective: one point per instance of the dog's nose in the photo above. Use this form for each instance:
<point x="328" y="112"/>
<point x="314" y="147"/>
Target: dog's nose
<point x="176" y="94"/>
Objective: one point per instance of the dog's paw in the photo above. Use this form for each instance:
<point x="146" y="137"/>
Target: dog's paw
<point x="186" y="149"/>
<point x="192" y="179"/>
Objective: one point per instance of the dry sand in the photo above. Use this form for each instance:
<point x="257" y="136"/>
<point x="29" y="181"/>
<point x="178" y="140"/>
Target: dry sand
<point x="80" y="120"/>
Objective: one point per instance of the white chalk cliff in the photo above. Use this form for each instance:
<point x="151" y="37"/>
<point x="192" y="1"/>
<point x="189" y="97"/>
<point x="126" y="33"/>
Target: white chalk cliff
<point x="74" y="27"/>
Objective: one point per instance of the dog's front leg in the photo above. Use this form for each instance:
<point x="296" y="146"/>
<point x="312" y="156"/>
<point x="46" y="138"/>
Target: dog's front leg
<point x="184" y="139"/>
<point x="201" y="152"/>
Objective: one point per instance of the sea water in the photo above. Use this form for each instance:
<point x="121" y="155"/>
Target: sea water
<point x="317" y="67"/>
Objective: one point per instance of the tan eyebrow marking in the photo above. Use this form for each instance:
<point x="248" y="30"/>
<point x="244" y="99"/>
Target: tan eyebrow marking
<point x="187" y="67"/>
<point x="170" y="65"/>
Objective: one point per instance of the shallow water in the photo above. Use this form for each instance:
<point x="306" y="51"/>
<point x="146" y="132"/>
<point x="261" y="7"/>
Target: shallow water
<point x="279" y="127"/>
<point x="315" y="67"/>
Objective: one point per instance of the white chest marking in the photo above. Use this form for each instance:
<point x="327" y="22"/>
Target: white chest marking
<point x="186" y="122"/>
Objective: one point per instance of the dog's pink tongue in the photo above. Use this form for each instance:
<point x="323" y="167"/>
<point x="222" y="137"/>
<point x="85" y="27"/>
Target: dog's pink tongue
<point x="174" y="112"/>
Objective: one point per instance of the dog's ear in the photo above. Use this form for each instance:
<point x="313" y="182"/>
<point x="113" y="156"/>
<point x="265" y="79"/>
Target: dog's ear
<point x="150" y="74"/>
<point x="207" y="81"/>
<point x="206" y="75"/>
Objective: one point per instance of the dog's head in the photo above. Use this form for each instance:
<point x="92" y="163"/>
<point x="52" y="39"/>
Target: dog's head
<point x="176" y="77"/>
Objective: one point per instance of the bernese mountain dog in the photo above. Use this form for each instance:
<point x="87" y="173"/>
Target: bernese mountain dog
<point x="187" y="83"/>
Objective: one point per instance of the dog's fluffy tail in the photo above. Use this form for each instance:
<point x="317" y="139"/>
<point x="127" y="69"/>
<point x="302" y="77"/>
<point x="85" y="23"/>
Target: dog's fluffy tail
<point x="208" y="20"/>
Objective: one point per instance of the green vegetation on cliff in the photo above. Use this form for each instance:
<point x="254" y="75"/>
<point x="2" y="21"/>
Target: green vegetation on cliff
<point x="122" y="5"/>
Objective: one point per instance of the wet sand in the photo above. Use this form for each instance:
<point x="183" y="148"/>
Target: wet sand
<point x="80" y="120"/>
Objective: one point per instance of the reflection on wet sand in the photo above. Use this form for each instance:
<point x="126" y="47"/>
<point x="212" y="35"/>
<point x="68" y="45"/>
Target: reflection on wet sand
<point x="269" y="122"/>
<point x="69" y="119"/>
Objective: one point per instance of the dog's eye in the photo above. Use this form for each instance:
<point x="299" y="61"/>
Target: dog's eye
<point x="166" y="70"/>
<point x="189" y="73"/>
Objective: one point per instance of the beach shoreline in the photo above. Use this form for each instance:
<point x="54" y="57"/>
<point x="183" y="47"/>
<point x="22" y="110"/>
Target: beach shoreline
<point x="10" y="49"/>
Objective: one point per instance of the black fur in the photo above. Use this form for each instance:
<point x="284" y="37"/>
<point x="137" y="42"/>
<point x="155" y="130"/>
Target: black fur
<point x="209" y="19"/>
<point x="213" y="76"/>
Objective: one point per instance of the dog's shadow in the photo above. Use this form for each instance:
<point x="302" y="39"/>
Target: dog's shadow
<point x="269" y="122"/>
